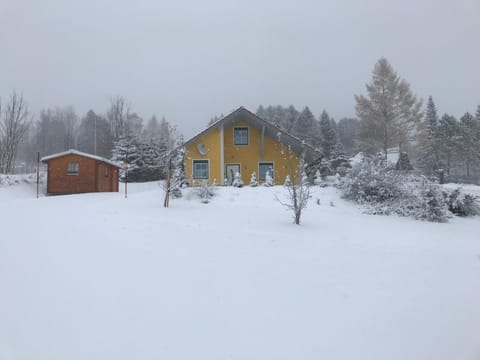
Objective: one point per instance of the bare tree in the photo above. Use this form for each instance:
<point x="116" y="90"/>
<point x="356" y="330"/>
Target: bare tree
<point x="117" y="115"/>
<point x="297" y="186"/>
<point x="70" y="120"/>
<point x="13" y="126"/>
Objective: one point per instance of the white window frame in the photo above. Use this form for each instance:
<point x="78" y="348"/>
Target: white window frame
<point x="73" y="168"/>
<point x="193" y="169"/>
<point x="265" y="163"/>
<point x="248" y="135"/>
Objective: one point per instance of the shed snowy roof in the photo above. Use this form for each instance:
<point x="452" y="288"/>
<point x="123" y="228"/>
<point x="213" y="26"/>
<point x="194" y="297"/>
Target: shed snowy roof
<point x="80" y="153"/>
<point x="271" y="130"/>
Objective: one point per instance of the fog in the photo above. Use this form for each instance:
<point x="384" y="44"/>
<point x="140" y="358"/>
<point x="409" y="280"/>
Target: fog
<point x="189" y="61"/>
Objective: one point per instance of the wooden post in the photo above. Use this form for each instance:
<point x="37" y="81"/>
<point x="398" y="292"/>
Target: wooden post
<point x="38" y="173"/>
<point x="166" y="202"/>
<point x="126" y="173"/>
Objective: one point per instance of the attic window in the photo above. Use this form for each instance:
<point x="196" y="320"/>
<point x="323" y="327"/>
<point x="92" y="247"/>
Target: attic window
<point x="240" y="136"/>
<point x="72" y="168"/>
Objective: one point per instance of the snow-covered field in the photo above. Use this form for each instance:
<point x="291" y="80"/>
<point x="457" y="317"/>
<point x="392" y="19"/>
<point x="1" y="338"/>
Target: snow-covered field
<point x="98" y="276"/>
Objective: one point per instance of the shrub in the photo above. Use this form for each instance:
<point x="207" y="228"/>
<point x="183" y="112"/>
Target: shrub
<point x="204" y="192"/>
<point x="462" y="204"/>
<point x="382" y="190"/>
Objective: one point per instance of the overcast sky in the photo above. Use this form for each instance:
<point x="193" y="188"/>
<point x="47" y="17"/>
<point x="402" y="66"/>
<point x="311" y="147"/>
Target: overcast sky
<point x="189" y="61"/>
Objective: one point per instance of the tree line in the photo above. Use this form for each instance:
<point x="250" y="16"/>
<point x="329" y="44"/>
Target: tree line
<point x="61" y="128"/>
<point x="389" y="115"/>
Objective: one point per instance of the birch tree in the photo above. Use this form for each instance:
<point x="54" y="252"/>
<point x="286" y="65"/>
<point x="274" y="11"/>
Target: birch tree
<point x="13" y="125"/>
<point x="117" y="116"/>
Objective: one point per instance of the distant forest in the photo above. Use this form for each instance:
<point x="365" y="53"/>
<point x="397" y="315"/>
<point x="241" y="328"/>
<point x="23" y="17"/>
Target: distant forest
<point x="388" y="116"/>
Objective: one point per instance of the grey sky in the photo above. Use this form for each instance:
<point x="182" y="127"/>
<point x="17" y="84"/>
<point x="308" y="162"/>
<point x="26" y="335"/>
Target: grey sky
<point x="191" y="60"/>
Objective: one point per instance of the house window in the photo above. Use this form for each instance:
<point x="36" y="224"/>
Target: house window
<point x="72" y="168"/>
<point x="263" y="168"/>
<point x="240" y="136"/>
<point x="200" y="169"/>
<point x="106" y="171"/>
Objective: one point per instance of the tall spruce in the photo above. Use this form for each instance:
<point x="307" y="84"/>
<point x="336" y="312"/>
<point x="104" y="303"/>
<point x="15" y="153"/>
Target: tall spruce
<point x="328" y="135"/>
<point x="429" y="159"/>
<point x="470" y="142"/>
<point x="449" y="138"/>
<point x="304" y="127"/>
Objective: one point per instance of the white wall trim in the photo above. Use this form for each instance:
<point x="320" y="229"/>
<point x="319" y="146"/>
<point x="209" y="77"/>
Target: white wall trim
<point x="222" y="156"/>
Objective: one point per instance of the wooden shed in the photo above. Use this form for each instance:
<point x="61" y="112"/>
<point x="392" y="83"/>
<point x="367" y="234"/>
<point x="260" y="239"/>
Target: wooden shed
<point x="73" y="172"/>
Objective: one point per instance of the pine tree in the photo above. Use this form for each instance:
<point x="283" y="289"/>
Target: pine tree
<point x="179" y="179"/>
<point x="429" y="158"/>
<point x="449" y="135"/>
<point x="328" y="135"/>
<point x="304" y="126"/>
<point x="347" y="133"/>
<point x="470" y="142"/>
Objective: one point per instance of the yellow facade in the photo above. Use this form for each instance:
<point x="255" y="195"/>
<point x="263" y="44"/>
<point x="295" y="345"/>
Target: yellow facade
<point x="247" y="156"/>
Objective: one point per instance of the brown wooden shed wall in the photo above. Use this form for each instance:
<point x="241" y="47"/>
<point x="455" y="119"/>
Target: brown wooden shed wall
<point x="91" y="175"/>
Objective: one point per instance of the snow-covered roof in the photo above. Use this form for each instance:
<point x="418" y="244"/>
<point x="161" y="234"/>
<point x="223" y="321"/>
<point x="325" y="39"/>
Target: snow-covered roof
<point x="393" y="154"/>
<point x="80" y="153"/>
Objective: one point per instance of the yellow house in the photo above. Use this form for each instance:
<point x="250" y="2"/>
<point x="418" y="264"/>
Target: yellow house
<point x="245" y="143"/>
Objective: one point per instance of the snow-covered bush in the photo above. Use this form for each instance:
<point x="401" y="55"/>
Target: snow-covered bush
<point x="319" y="180"/>
<point x="237" y="180"/>
<point x="381" y="189"/>
<point x="462" y="204"/>
<point x="179" y="180"/>
<point x="287" y="182"/>
<point x="8" y="180"/>
<point x="268" y="179"/>
<point x="204" y="192"/>
<point x="253" y="179"/>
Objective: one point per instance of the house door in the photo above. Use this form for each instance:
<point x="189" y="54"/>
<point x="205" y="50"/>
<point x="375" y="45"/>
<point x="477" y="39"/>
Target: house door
<point x="230" y="171"/>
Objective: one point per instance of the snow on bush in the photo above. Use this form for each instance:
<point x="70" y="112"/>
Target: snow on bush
<point x="268" y="179"/>
<point x="253" y="179"/>
<point x="237" y="180"/>
<point x="383" y="190"/>
<point x="8" y="180"/>
<point x="204" y="192"/>
<point x="463" y="204"/>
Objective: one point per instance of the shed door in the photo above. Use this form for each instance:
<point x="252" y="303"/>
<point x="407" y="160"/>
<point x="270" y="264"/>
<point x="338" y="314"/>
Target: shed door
<point x="104" y="177"/>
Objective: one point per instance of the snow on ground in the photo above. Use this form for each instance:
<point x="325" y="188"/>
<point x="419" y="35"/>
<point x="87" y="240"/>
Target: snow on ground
<point x="98" y="276"/>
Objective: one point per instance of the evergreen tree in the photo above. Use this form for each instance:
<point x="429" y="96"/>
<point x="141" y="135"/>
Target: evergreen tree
<point x="429" y="158"/>
<point x="178" y="177"/>
<point x="347" y="133"/>
<point x="470" y="142"/>
<point x="328" y="135"/>
<point x="449" y="136"/>
<point x="304" y="126"/>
